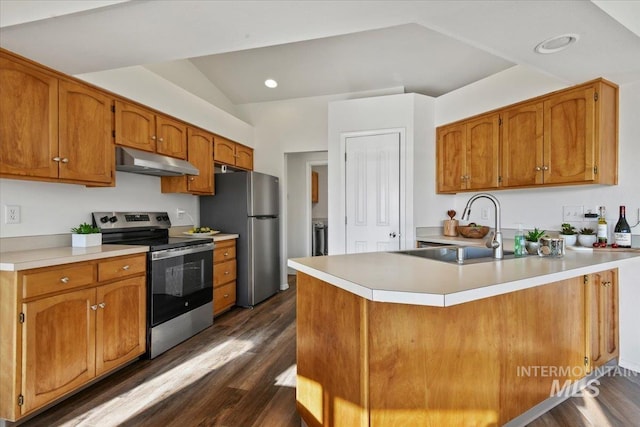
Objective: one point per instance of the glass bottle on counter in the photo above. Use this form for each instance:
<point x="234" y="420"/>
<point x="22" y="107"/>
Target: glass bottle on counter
<point x="519" y="243"/>
<point x="602" y="232"/>
<point x="622" y="232"/>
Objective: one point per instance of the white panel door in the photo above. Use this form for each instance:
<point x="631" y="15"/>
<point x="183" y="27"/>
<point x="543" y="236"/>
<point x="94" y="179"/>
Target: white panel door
<point x="372" y="171"/>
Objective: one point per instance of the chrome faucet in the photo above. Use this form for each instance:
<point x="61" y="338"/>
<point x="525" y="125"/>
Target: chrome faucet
<point x="495" y="242"/>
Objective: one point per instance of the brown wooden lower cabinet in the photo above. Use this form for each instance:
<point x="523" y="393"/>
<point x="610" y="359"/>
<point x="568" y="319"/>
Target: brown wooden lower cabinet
<point x="60" y="330"/>
<point x="485" y="362"/>
<point x="224" y="276"/>
<point x="601" y="306"/>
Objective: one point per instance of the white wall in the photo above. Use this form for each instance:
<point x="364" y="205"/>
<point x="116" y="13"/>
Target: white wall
<point x="413" y="115"/>
<point x="542" y="208"/>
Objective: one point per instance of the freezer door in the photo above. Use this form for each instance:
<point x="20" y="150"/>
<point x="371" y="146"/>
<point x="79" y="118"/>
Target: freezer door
<point x="264" y="258"/>
<point x="263" y="194"/>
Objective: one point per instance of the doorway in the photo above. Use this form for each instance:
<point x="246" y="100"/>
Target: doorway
<point x="372" y="192"/>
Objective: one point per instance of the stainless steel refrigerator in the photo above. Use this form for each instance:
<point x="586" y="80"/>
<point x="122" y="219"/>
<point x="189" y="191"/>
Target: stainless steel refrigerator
<point x="247" y="203"/>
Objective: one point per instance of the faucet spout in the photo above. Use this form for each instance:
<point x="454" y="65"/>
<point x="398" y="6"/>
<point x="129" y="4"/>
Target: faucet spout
<point x="495" y="242"/>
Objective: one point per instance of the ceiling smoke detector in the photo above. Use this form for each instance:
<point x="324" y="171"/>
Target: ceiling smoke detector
<point x="557" y="43"/>
<point x="270" y="83"/>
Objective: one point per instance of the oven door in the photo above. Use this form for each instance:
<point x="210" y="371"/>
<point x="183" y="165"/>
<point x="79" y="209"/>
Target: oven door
<point x="180" y="280"/>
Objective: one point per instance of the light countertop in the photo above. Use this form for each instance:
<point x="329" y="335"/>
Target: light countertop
<point x="36" y="258"/>
<point x="398" y="278"/>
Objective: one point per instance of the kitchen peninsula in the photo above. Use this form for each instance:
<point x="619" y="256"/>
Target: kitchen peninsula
<point x="390" y="339"/>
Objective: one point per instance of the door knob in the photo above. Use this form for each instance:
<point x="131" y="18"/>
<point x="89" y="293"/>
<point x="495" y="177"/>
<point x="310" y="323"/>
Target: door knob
<point x="392" y="235"/>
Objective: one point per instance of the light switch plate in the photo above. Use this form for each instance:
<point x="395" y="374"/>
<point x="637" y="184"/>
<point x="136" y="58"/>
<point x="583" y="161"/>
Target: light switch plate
<point x="572" y="213"/>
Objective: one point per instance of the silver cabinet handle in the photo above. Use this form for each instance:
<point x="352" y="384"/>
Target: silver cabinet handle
<point x="94" y="307"/>
<point x="191" y="178"/>
<point x="226" y="295"/>
<point x="545" y="168"/>
<point x="126" y="267"/>
<point x="65" y="279"/>
<point x="226" y="272"/>
<point x="64" y="160"/>
<point x="226" y="254"/>
<point x="153" y="137"/>
<point x="102" y="304"/>
<point x="538" y="168"/>
<point x="56" y="159"/>
<point x="160" y="139"/>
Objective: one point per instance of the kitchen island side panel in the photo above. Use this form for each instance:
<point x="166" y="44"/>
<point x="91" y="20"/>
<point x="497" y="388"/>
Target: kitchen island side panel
<point x="479" y="363"/>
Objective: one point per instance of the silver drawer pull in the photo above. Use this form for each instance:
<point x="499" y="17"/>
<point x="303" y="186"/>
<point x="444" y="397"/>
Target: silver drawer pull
<point x="226" y="295"/>
<point x="65" y="279"/>
<point x="226" y="254"/>
<point x="56" y="159"/>
<point x="126" y="267"/>
<point x="226" y="272"/>
<point x="94" y="307"/>
<point x="102" y="304"/>
<point x="64" y="160"/>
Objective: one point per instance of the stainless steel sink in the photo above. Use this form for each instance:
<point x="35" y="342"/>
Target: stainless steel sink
<point x="461" y="255"/>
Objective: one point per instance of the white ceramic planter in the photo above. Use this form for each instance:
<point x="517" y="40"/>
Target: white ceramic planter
<point x="569" y="239"/>
<point x="587" y="239"/>
<point x="86" y="240"/>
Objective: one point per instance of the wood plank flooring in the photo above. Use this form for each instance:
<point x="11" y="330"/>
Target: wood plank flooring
<point x="241" y="373"/>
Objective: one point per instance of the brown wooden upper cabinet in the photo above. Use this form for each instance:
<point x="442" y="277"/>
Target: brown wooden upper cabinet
<point x="51" y="128"/>
<point x="563" y="138"/>
<point x="199" y="154"/>
<point x="231" y="153"/>
<point x="467" y="155"/>
<point x="138" y="127"/>
<point x="314" y="187"/>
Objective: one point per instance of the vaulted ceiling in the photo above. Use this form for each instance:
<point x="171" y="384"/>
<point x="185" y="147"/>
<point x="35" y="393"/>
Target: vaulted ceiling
<point x="326" y="47"/>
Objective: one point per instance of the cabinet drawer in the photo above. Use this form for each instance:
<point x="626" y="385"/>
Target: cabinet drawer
<point x="224" y="297"/>
<point x="115" y="268"/>
<point x="52" y="280"/>
<point x="224" y="252"/>
<point x="224" y="272"/>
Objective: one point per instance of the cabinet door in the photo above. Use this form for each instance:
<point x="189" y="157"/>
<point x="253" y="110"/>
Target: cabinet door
<point x="482" y="145"/>
<point x="201" y="156"/>
<point x="85" y="141"/>
<point x="314" y="187"/>
<point x="58" y="346"/>
<point x="602" y="320"/>
<point x="135" y="127"/>
<point x="244" y="157"/>
<point x="120" y="323"/>
<point x="224" y="151"/>
<point x="451" y="159"/>
<point x="522" y="134"/>
<point x="172" y="137"/>
<point x="224" y="297"/>
<point x="569" y="137"/>
<point x="28" y="121"/>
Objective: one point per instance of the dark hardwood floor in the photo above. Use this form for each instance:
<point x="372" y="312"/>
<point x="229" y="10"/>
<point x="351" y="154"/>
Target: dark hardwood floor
<point x="241" y="373"/>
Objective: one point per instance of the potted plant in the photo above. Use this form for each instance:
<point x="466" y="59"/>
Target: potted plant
<point x="85" y="235"/>
<point x="531" y="240"/>
<point x="587" y="237"/>
<point x="568" y="233"/>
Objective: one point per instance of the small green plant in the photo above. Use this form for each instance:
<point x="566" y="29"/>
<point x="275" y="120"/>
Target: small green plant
<point x="587" y="231"/>
<point x="568" y="229"/>
<point x="534" y="235"/>
<point x="85" y="228"/>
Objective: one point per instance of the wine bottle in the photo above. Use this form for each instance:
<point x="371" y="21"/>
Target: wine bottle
<point x="622" y="232"/>
<point x="602" y="227"/>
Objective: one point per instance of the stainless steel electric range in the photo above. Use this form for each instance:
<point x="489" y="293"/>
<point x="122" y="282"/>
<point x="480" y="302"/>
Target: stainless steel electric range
<point x="179" y="275"/>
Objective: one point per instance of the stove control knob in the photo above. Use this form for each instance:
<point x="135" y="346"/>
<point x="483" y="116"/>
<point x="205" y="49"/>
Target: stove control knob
<point x="113" y="219"/>
<point x="159" y="218"/>
<point x="104" y="219"/>
<point x="166" y="217"/>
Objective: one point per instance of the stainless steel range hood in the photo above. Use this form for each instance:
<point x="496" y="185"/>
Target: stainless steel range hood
<point x="143" y="162"/>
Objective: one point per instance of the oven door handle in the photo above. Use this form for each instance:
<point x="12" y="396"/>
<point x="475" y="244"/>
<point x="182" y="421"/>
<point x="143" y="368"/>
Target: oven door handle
<point x="176" y="252"/>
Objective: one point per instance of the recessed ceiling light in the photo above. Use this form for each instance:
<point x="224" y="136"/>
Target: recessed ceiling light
<point x="270" y="83"/>
<point x="557" y="43"/>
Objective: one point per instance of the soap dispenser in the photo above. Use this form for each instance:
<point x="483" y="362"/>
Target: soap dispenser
<point x="519" y="249"/>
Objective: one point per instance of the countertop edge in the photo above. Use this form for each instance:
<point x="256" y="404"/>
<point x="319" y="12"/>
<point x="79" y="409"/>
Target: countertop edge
<point x="59" y="256"/>
<point x="346" y="285"/>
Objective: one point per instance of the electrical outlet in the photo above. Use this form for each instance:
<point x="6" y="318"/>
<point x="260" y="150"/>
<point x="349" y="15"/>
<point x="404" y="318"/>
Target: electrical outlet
<point x="180" y="213"/>
<point x="12" y="214"/>
<point x="572" y="213"/>
<point x="484" y="213"/>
